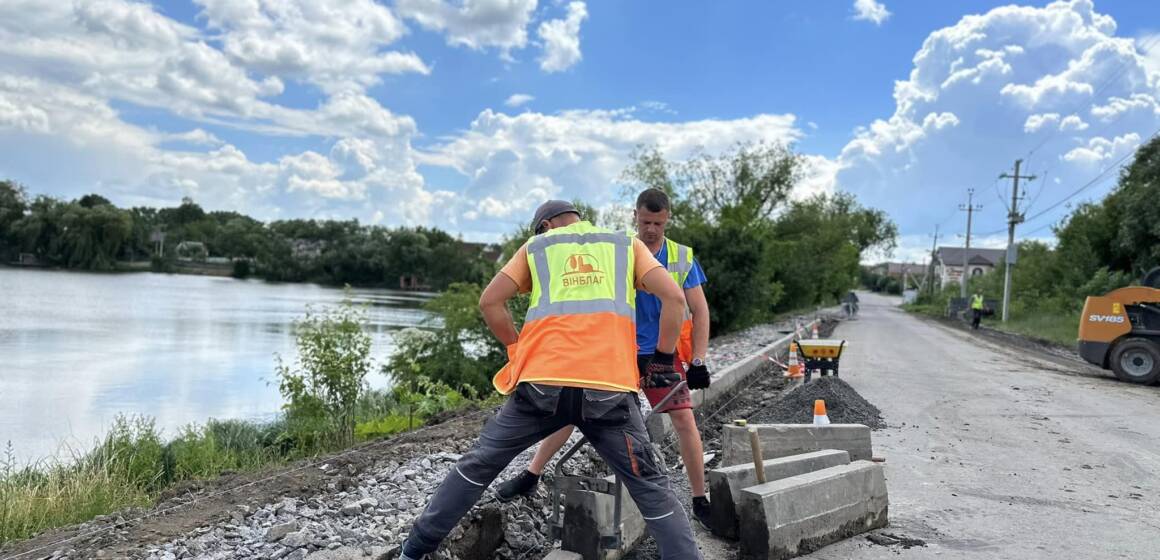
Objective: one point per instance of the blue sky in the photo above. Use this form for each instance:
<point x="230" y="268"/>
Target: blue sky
<point x="465" y="114"/>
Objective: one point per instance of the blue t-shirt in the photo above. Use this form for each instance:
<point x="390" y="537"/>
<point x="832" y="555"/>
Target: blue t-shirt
<point x="648" y="306"/>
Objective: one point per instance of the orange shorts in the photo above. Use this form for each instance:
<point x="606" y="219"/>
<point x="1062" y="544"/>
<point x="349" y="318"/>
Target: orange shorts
<point x="682" y="400"/>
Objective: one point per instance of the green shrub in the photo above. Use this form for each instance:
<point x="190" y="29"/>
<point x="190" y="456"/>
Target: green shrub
<point x="323" y="388"/>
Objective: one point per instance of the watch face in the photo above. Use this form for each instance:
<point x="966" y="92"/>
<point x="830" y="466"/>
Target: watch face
<point x="698" y="362"/>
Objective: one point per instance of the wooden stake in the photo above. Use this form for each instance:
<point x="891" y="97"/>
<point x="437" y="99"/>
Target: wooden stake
<point x="758" y="463"/>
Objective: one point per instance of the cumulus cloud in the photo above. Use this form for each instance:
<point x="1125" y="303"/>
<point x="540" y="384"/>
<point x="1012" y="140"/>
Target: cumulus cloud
<point x="517" y="99"/>
<point x="476" y="24"/>
<point x="561" y="39"/>
<point x="335" y="44"/>
<point x="870" y="10"/>
<point x="1100" y="149"/>
<point x="1052" y="84"/>
<point x="514" y="162"/>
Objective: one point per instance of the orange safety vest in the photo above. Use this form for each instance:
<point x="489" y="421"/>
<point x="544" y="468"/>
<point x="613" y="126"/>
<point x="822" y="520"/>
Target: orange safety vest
<point x="580" y="330"/>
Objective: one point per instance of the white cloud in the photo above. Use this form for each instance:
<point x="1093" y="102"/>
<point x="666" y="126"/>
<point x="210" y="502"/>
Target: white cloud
<point x="1116" y="107"/>
<point x="871" y="10"/>
<point x="1019" y="82"/>
<point x="561" y="39"/>
<point x="1036" y="122"/>
<point x="1100" y="149"/>
<point x="517" y="99"/>
<point x="514" y="162"/>
<point x="336" y="44"/>
<point x="1149" y="46"/>
<point x="1073" y="122"/>
<point x="476" y="24"/>
<point x="196" y="137"/>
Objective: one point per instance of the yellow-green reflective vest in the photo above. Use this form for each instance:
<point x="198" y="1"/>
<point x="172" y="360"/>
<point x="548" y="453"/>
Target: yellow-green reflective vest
<point x="580" y="329"/>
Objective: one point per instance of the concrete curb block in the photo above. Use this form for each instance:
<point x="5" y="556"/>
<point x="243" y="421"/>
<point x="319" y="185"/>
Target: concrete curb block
<point x="589" y="516"/>
<point x="725" y="484"/>
<point x="800" y="514"/>
<point x="781" y="440"/>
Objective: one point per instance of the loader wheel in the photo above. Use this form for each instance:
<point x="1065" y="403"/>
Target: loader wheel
<point x="1136" y="360"/>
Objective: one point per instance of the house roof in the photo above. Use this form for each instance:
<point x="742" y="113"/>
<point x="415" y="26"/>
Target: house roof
<point x="953" y="256"/>
<point x="896" y="268"/>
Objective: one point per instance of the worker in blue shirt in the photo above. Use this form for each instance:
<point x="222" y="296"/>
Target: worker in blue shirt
<point x="652" y="213"/>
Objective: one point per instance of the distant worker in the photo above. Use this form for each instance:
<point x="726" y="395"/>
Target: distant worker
<point x="573" y="363"/>
<point x="652" y="213"/>
<point x="850" y="303"/>
<point x="976" y="310"/>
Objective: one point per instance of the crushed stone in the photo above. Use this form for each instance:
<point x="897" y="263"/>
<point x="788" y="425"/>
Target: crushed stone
<point x="843" y="405"/>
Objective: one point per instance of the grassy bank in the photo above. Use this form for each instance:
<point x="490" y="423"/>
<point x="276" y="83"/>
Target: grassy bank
<point x="133" y="463"/>
<point x="1060" y="327"/>
<point x="1055" y="327"/>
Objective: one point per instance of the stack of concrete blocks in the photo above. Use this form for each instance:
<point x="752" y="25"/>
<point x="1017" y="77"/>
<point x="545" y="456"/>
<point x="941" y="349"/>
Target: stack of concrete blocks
<point x="820" y="488"/>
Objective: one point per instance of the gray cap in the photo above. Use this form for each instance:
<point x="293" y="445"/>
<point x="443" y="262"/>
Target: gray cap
<point x="551" y="209"/>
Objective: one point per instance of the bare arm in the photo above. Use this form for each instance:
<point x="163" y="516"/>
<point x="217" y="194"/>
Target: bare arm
<point x="493" y="305"/>
<point x="658" y="283"/>
<point x="700" y="308"/>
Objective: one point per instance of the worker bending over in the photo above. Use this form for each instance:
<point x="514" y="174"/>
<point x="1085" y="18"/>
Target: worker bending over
<point x="652" y="213"/>
<point x="572" y="364"/>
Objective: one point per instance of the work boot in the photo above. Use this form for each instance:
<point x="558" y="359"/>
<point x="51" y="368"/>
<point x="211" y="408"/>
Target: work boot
<point x="523" y="484"/>
<point x="701" y="510"/>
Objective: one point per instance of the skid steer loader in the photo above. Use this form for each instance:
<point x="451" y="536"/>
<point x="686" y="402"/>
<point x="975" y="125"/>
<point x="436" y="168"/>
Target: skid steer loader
<point x="1120" y="331"/>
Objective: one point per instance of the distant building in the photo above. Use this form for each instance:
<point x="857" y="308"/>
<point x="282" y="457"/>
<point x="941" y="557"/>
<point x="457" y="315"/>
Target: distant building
<point x="897" y="270"/>
<point x="489" y="252"/>
<point x="948" y="263"/>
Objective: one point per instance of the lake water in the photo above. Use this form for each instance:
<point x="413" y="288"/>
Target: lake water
<point x="77" y="349"/>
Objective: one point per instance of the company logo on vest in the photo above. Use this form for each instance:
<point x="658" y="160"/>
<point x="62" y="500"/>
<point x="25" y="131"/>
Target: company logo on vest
<point x="582" y="270"/>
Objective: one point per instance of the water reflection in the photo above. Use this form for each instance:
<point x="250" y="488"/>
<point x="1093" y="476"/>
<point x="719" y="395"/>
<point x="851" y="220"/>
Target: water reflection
<point x="76" y="349"/>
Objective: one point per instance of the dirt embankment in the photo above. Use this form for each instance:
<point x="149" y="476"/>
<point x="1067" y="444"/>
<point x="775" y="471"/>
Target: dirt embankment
<point x="358" y="503"/>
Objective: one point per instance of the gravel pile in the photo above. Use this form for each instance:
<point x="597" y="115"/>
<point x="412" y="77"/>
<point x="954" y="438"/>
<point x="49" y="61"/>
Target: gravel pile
<point x="368" y="513"/>
<point x="843" y="405"/>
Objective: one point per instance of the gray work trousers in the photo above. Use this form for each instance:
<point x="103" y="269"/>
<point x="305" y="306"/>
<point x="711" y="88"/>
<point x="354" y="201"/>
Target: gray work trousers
<point x="612" y="423"/>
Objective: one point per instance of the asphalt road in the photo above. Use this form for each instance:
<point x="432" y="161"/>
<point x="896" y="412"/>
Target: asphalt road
<point x="993" y="452"/>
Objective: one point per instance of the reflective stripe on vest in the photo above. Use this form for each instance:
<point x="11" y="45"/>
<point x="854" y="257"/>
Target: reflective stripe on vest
<point x="680" y="264"/>
<point x="679" y="261"/>
<point x="580" y="326"/>
<point x="543" y="305"/>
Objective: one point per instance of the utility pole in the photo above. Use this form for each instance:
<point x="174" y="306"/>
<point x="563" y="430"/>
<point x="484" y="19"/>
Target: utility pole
<point x="1013" y="218"/>
<point x="928" y="281"/>
<point x="970" y="208"/>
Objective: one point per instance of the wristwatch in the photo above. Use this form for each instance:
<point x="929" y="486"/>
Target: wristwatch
<point x="698" y="362"/>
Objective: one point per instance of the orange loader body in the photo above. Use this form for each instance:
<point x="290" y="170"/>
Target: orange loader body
<point x="1121" y="331"/>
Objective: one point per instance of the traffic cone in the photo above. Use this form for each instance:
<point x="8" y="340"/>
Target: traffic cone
<point x="794" y="369"/>
<point x="815" y="330"/>
<point x="820" y="418"/>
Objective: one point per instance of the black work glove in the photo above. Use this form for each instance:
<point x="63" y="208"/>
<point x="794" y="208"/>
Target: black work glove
<point x="660" y="371"/>
<point x="698" y="377"/>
